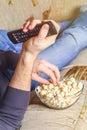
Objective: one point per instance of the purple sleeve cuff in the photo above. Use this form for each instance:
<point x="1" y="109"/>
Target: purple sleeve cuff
<point x="16" y="98"/>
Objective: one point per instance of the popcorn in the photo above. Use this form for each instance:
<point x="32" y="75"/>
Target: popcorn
<point x="61" y="96"/>
<point x="43" y="93"/>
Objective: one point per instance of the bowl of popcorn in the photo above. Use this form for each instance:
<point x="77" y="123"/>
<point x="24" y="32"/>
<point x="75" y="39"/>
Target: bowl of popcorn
<point x="61" y="96"/>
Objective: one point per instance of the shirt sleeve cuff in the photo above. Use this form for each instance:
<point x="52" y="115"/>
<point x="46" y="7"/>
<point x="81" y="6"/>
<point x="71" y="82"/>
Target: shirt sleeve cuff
<point x="16" y="98"/>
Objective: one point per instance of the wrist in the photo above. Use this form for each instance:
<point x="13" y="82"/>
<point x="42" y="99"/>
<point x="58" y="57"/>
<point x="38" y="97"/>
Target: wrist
<point x="22" y="75"/>
<point x="31" y="50"/>
<point x="26" y="56"/>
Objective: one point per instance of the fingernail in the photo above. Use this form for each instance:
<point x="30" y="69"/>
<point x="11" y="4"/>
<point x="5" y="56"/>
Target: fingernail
<point x="45" y="30"/>
<point x="45" y="27"/>
<point x="25" y="30"/>
<point x="54" y="83"/>
<point x="48" y="83"/>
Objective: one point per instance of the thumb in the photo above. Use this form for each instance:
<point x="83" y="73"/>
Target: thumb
<point x="43" y="31"/>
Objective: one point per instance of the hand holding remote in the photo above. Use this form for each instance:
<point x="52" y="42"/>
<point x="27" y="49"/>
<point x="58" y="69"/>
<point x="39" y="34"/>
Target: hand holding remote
<point x="18" y="36"/>
<point x="41" y="41"/>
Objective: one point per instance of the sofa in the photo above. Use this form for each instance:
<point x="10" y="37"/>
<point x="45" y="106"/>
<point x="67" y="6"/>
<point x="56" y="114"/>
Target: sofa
<point x="13" y="13"/>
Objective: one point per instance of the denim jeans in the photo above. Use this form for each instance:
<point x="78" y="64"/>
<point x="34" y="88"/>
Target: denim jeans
<point x="70" y="42"/>
<point x="72" y="39"/>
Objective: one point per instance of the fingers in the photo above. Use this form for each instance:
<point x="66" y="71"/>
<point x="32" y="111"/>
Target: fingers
<point x="43" y="31"/>
<point x="48" y="69"/>
<point x="40" y="42"/>
<point x="34" y="23"/>
<point x="55" y="24"/>
<point x="25" y="26"/>
<point x="53" y="68"/>
<point x="30" y="25"/>
<point x="39" y="79"/>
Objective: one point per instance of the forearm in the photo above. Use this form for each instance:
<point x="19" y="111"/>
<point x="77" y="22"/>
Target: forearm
<point x="16" y="98"/>
<point x="22" y="75"/>
<point x="13" y="107"/>
<point x="12" y="110"/>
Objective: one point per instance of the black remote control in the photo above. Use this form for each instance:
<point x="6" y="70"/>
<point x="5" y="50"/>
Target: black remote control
<point x="18" y="36"/>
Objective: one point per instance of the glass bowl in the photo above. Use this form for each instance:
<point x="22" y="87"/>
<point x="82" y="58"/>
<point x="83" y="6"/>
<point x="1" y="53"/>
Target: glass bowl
<point x="66" y="93"/>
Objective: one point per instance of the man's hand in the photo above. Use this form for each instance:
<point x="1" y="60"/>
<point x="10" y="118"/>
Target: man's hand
<point x="35" y="45"/>
<point x="42" y="66"/>
<point x="29" y="25"/>
<point x="40" y="42"/>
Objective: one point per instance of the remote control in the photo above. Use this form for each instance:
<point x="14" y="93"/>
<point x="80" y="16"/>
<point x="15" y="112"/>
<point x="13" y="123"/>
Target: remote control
<point x="18" y="36"/>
